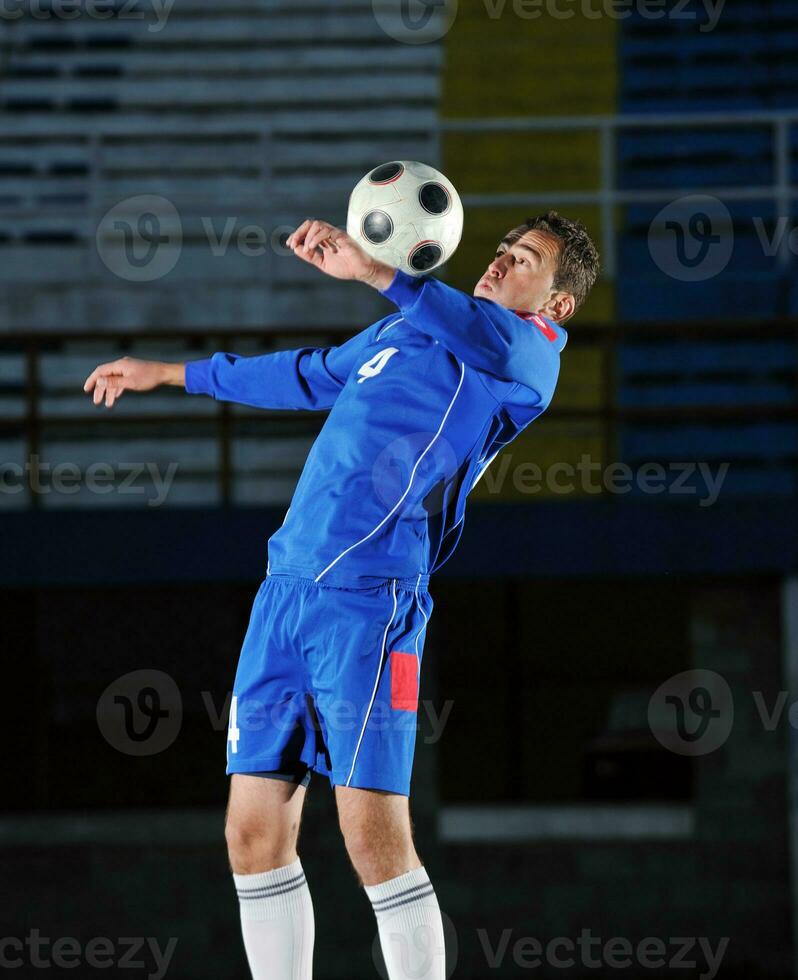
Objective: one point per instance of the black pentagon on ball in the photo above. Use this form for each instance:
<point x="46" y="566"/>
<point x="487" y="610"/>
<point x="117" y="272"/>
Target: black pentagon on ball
<point x="425" y="256"/>
<point x="377" y="227"/>
<point x="434" y="198"/>
<point x="385" y="173"/>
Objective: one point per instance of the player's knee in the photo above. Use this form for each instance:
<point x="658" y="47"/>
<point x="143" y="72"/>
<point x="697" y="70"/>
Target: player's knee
<point x="375" y="854"/>
<point x="357" y="847"/>
<point x="255" y="845"/>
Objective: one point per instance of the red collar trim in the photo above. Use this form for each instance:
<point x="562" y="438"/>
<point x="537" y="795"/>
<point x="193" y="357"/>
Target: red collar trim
<point x="545" y="328"/>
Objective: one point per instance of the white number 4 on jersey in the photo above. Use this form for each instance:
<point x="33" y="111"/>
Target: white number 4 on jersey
<point x="375" y="364"/>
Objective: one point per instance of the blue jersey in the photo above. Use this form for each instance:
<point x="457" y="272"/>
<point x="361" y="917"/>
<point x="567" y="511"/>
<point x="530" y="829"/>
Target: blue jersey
<point x="420" y="403"/>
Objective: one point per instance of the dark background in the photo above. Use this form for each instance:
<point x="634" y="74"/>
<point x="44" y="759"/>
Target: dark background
<point x="547" y="806"/>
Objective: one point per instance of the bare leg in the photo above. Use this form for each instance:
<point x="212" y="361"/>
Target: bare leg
<point x="378" y="833"/>
<point x="262" y="823"/>
<point x="262" y="827"/>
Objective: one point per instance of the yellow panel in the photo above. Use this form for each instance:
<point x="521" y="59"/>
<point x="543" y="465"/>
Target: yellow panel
<point x="544" y="463"/>
<point x="500" y="63"/>
<point x="483" y="230"/>
<point x="581" y="381"/>
<point x="487" y="163"/>
<point x="515" y="58"/>
<point x="599" y="307"/>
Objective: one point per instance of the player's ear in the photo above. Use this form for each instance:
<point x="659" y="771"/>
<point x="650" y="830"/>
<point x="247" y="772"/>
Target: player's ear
<point x="560" y="307"/>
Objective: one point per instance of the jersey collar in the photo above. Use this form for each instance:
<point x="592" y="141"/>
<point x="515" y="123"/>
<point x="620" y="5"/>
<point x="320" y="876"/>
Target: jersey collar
<point x="551" y="331"/>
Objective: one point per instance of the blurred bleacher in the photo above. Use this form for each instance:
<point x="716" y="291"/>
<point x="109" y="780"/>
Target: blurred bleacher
<point x="650" y="110"/>
<point x="259" y="114"/>
<point x="744" y="65"/>
<point x="248" y="116"/>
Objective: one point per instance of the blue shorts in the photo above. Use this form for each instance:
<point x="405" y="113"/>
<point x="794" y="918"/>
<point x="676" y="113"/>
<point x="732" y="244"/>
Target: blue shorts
<point x="328" y="681"/>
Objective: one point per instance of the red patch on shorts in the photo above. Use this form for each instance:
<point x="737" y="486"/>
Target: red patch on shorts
<point x="404" y="681"/>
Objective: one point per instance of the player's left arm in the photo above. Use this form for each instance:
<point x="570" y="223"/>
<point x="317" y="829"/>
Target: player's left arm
<point x="481" y="333"/>
<point x="308" y="378"/>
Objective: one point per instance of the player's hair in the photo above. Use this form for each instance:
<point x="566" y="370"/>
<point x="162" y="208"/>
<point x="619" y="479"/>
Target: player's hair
<point x="579" y="265"/>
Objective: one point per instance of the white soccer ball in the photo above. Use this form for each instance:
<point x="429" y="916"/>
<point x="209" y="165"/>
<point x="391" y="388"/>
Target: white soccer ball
<point x="406" y="214"/>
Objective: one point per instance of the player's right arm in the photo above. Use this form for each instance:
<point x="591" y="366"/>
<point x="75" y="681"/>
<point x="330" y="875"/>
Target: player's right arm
<point x="308" y="378"/>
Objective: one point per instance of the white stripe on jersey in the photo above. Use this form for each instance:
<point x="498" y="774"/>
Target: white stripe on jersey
<point x="387" y="327"/>
<point x="400" y="501"/>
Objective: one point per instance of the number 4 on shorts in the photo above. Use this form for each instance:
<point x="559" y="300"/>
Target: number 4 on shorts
<point x="233" y="733"/>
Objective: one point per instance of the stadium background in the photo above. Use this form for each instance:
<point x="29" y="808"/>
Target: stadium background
<point x="547" y="806"/>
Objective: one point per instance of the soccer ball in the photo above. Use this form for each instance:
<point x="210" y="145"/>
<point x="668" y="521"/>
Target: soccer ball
<point x="407" y="215"/>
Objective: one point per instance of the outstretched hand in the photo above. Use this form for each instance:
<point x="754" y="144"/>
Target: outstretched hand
<point x="109" y="381"/>
<point x="334" y="252"/>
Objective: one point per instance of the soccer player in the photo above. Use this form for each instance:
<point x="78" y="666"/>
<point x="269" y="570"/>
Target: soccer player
<point x="419" y="404"/>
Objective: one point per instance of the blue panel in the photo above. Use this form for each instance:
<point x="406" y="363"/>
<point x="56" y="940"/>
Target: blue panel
<point x="638" y="48"/>
<point x="702" y="355"/>
<point x="695" y="174"/>
<point x="647" y="174"/>
<point x="753" y="283"/>
<point x="765" y="482"/>
<point x="703" y="74"/>
<point x="726" y="393"/>
<point x="744" y="212"/>
<point x="776" y="440"/>
<point x="676" y="143"/>
<point x="665" y="101"/>
<point x="641" y="299"/>
<point x="747" y="61"/>
<point x="748" y="258"/>
<point x="734" y="483"/>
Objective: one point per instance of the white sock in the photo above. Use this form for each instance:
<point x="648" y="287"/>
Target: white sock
<point x="277" y="923"/>
<point x="410" y="927"/>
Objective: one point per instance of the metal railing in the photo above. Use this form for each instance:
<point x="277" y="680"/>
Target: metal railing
<point x="782" y="190"/>
<point x="608" y="195"/>
<point x="225" y="421"/>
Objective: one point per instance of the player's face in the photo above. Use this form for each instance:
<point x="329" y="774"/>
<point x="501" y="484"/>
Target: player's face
<point x="521" y="276"/>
